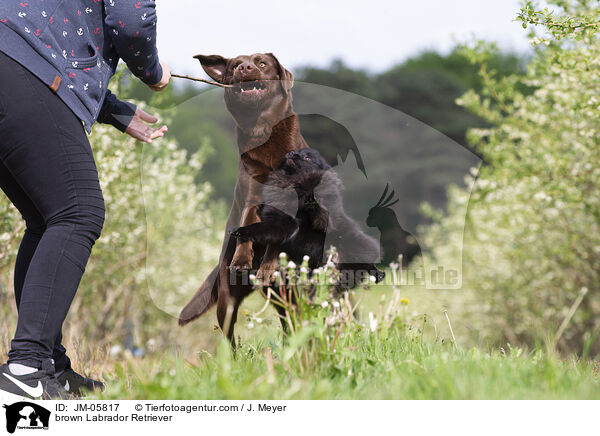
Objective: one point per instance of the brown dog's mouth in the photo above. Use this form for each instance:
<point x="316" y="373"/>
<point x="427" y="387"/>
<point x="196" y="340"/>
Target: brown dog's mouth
<point x="254" y="87"/>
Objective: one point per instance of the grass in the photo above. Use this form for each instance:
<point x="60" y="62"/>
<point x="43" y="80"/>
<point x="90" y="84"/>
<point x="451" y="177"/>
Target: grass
<point x="394" y="366"/>
<point x="393" y="353"/>
<point x="407" y="356"/>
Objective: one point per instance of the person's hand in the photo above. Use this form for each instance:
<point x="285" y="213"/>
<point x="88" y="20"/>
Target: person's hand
<point x="140" y="128"/>
<point x="166" y="77"/>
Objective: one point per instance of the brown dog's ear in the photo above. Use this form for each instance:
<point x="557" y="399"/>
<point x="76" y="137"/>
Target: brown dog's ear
<point x="286" y="77"/>
<point x="214" y="65"/>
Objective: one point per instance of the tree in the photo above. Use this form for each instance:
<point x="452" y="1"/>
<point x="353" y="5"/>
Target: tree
<point x="531" y="268"/>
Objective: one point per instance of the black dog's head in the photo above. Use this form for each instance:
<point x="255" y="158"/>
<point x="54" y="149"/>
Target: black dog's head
<point x="317" y="186"/>
<point x="307" y="171"/>
<point x="305" y="160"/>
<point x="261" y="83"/>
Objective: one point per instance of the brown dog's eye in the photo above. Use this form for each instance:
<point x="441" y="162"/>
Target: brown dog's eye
<point x="262" y="65"/>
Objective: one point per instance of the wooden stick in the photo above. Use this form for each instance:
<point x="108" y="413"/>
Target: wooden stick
<point x="195" y="79"/>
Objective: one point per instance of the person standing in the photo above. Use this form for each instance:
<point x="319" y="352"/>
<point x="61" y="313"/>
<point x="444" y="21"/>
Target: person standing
<point x="56" y="60"/>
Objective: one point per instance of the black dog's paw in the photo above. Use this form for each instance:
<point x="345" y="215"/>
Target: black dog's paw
<point x="378" y="274"/>
<point x="242" y="233"/>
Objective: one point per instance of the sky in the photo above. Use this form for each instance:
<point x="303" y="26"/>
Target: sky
<point x="373" y="35"/>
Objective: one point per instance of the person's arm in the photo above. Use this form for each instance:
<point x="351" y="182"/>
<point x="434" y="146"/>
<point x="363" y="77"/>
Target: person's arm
<point x="115" y="112"/>
<point x="133" y="32"/>
<point x="130" y="119"/>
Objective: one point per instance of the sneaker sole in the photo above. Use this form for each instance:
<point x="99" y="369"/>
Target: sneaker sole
<point x="9" y="397"/>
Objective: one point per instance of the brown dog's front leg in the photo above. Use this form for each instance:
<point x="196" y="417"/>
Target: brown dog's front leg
<point x="242" y="258"/>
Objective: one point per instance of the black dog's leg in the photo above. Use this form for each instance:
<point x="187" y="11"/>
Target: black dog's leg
<point x="275" y="227"/>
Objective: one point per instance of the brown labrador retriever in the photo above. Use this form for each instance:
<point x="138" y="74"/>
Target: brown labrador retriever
<point x="267" y="129"/>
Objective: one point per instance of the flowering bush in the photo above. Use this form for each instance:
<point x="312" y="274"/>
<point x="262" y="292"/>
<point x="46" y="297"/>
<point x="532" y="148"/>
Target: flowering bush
<point x="532" y="243"/>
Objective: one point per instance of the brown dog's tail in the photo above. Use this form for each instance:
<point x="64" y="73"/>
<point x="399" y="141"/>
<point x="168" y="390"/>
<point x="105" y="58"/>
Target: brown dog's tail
<point x="204" y="299"/>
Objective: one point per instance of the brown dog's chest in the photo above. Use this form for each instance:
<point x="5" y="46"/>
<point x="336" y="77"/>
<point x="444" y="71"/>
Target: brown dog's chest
<point x="259" y="161"/>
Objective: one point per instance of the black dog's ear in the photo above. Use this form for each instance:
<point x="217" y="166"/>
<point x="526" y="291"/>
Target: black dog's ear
<point x="286" y="77"/>
<point x="214" y="65"/>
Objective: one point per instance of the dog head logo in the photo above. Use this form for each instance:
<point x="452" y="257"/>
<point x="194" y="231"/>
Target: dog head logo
<point x="26" y="415"/>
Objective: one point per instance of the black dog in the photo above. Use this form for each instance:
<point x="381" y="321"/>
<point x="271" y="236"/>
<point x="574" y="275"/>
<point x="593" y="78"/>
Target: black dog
<point x="305" y="182"/>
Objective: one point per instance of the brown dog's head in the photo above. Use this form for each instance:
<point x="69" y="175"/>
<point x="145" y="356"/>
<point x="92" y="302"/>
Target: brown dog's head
<point x="262" y="85"/>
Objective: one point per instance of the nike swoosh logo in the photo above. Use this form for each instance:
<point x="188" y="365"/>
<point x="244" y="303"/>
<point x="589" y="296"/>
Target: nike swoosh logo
<point x="35" y="392"/>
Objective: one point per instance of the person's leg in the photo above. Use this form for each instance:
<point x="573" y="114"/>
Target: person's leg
<point x="59" y="355"/>
<point x="44" y="148"/>
<point x="34" y="231"/>
<point x="31" y="239"/>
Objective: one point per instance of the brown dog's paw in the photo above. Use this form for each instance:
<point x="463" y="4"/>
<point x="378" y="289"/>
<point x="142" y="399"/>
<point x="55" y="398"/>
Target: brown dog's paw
<point x="265" y="273"/>
<point x="240" y="263"/>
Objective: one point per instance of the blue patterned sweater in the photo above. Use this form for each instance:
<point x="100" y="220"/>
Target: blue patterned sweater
<point x="74" y="47"/>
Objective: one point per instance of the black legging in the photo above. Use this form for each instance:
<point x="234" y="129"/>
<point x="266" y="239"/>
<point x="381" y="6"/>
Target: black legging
<point x="47" y="170"/>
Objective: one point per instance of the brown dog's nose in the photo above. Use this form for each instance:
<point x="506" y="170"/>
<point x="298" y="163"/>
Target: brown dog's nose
<point x="246" y="68"/>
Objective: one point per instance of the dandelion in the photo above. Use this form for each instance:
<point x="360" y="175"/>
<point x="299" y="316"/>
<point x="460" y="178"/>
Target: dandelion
<point x="283" y="259"/>
<point x="404" y="301"/>
<point x="245" y="312"/>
